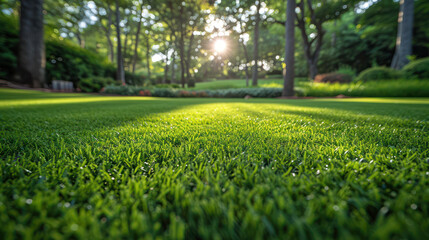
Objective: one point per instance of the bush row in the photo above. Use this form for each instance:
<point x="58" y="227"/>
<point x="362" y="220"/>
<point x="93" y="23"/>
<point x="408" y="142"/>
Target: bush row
<point x="168" y="92"/>
<point x="392" y="88"/>
<point x="418" y="69"/>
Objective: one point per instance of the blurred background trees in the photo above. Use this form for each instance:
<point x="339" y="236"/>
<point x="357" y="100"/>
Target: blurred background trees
<point x="168" y="41"/>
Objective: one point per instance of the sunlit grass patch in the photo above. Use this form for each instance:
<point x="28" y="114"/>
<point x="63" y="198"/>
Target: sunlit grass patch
<point x="129" y="167"/>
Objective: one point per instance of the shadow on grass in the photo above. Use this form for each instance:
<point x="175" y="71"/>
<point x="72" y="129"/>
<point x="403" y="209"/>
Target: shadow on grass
<point x="50" y="111"/>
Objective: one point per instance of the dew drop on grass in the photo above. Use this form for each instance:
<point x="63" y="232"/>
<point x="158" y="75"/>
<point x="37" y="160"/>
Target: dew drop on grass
<point x="413" y="206"/>
<point x="336" y="208"/>
<point x="29" y="201"/>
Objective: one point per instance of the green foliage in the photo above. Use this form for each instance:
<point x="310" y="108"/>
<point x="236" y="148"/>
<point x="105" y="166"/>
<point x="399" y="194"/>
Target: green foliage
<point x="243" y="92"/>
<point x="172" y="85"/>
<point x="417" y="69"/>
<point x="77" y="166"/>
<point x="135" y="79"/>
<point x="333" y="78"/>
<point x="221" y="93"/>
<point x="347" y="70"/>
<point x="94" y="84"/>
<point x="191" y="83"/>
<point x="69" y="62"/>
<point x="124" y="90"/>
<point x="391" y="88"/>
<point x="9" y="40"/>
<point x="64" y="59"/>
<point x="164" y="92"/>
<point x="378" y="73"/>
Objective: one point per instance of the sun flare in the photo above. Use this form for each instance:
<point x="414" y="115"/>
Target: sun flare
<point x="220" y="46"/>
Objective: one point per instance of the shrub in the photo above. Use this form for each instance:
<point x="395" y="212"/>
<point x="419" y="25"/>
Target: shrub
<point x="9" y="40"/>
<point x="378" y="73"/>
<point x="345" y="69"/>
<point x="393" y="88"/>
<point x="67" y="61"/>
<point x="164" y="92"/>
<point x="191" y="82"/>
<point x="94" y="84"/>
<point x="169" y="92"/>
<point x="172" y="85"/>
<point x="418" y="69"/>
<point x="242" y="92"/>
<point x="135" y="79"/>
<point x="123" y="90"/>
<point x="333" y="78"/>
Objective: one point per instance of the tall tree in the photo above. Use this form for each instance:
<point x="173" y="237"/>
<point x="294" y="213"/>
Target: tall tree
<point x="256" y="44"/>
<point x="311" y="54"/>
<point x="135" y="55"/>
<point x="289" y="49"/>
<point x="310" y="21"/>
<point x="31" y="44"/>
<point x="107" y="29"/>
<point x="148" y="48"/>
<point x="120" y="73"/>
<point x="404" y="39"/>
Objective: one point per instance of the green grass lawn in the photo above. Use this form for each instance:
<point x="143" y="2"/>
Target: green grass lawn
<point x="237" y="83"/>
<point x="387" y="88"/>
<point x="79" y="166"/>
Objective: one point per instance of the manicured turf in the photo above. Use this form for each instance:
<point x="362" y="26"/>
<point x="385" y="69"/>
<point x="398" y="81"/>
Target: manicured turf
<point x="303" y="87"/>
<point x="237" y="83"/>
<point x="89" y="167"/>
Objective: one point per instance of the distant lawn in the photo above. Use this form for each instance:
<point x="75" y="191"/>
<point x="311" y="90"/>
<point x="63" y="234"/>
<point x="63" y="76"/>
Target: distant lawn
<point x="237" y="83"/>
<point x="77" y="166"/>
<point x="386" y="88"/>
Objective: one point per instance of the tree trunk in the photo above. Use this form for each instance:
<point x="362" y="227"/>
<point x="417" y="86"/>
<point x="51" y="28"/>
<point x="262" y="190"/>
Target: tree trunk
<point x="334" y="35"/>
<point x="404" y="37"/>
<point x="125" y="48"/>
<point x="80" y="40"/>
<point x="182" y="49"/>
<point x="312" y="68"/>
<point x="108" y="33"/>
<point x="289" y="49"/>
<point x="312" y="56"/>
<point x="120" y="73"/>
<point x="246" y="71"/>
<point x="148" y="56"/>
<point x="107" y="30"/>
<point x="188" y="56"/>
<point x="246" y="55"/>
<point x="256" y="45"/>
<point x="137" y="40"/>
<point x="164" y="80"/>
<point x="173" y="67"/>
<point x="32" y="59"/>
